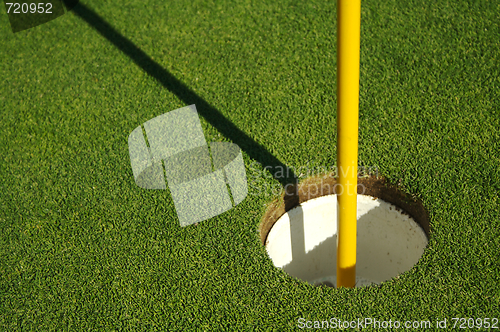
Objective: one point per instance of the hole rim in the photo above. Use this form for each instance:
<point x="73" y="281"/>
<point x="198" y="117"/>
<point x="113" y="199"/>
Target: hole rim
<point x="378" y="187"/>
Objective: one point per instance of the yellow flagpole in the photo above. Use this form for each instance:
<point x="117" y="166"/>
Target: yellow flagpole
<point x="348" y="39"/>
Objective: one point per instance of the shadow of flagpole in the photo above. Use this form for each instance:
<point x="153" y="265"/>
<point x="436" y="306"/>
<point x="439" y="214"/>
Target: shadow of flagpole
<point x="253" y="149"/>
<point x="207" y="111"/>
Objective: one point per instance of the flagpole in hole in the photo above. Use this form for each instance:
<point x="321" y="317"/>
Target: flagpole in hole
<point x="348" y="40"/>
<point x="392" y="234"/>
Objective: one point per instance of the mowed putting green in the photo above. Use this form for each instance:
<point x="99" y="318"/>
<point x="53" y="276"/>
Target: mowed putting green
<point x="82" y="247"/>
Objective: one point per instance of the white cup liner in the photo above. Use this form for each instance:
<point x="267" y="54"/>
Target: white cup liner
<point x="303" y="242"/>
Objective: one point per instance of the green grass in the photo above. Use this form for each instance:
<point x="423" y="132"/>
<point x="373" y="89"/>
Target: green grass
<point x="83" y="248"/>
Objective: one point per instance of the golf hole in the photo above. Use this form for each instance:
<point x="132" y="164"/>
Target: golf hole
<point x="299" y="231"/>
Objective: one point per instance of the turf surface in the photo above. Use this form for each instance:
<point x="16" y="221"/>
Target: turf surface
<point x="83" y="248"/>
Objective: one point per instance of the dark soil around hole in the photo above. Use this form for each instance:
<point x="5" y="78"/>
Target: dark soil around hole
<point x="315" y="187"/>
